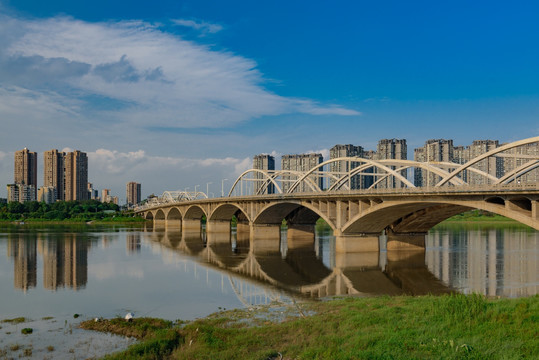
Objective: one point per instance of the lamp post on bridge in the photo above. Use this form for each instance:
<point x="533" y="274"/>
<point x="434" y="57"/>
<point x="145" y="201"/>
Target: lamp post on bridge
<point x="208" y="188"/>
<point x="223" y="187"/>
<point x="196" y="189"/>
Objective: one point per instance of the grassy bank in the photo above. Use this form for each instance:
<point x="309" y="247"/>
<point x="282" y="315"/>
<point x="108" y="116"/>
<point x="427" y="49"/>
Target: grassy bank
<point x="479" y="216"/>
<point x="448" y="327"/>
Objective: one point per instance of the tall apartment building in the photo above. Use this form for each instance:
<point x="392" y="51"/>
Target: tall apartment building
<point x="76" y="176"/>
<point x="517" y="157"/>
<point x="492" y="165"/>
<point x="391" y="149"/>
<point x="301" y="163"/>
<point x="53" y="171"/>
<point x="263" y="162"/>
<point x="67" y="173"/>
<point x="26" y="169"/>
<point x="434" y="150"/>
<point x="25" y="177"/>
<point x="133" y="193"/>
<point x="340" y="168"/>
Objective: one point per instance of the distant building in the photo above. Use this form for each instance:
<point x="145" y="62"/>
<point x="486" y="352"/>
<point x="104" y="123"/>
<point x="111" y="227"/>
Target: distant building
<point x="76" y="176"/>
<point x="263" y="162"/>
<point x="493" y="165"/>
<point x="53" y="171"/>
<point x="105" y="196"/>
<point x="68" y="173"/>
<point x="26" y="169"/>
<point x="301" y="163"/>
<point x="21" y="193"/>
<point x="340" y="168"/>
<point x="93" y="194"/>
<point x="434" y="150"/>
<point x="47" y="194"/>
<point x="392" y="149"/>
<point x="133" y="193"/>
<point x="512" y="161"/>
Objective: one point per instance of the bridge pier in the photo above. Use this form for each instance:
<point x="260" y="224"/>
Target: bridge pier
<point x="352" y="243"/>
<point x="300" y="236"/>
<point x="218" y="226"/>
<point x="535" y="210"/>
<point x="265" y="238"/>
<point x="159" y="224"/>
<point x="191" y="226"/>
<point x="174" y="225"/>
<point x="405" y="241"/>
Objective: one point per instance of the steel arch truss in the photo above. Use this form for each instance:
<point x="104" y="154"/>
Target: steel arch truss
<point x="382" y="170"/>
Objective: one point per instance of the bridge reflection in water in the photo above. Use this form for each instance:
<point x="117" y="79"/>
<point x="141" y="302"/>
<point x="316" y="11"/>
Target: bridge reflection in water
<point x="299" y="262"/>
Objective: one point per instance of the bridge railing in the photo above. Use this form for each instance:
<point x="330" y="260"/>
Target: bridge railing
<point x="495" y="189"/>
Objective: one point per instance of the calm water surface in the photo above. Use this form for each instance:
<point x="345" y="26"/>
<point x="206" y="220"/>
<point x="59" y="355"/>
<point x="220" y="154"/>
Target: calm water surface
<point x="107" y="271"/>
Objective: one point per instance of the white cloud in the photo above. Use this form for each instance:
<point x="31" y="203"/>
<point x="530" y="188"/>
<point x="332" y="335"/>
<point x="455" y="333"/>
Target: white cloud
<point x="151" y="77"/>
<point x="203" y="26"/>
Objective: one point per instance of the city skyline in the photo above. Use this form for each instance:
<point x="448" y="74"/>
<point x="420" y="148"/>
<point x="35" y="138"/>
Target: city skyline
<point x="191" y="91"/>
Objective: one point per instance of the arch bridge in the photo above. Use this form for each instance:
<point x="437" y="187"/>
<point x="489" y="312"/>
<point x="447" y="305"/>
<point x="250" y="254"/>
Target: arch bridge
<point x="358" y="216"/>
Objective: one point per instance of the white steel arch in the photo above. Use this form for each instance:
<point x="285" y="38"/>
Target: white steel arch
<point x="495" y="151"/>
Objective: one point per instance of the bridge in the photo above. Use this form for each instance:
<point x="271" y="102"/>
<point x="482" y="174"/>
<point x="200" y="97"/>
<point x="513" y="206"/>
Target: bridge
<point x="391" y="203"/>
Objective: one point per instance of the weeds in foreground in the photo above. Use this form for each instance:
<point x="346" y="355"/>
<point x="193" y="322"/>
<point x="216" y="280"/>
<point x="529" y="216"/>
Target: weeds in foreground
<point x="450" y="327"/>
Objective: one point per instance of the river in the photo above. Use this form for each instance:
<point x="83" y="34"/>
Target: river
<point x="55" y="272"/>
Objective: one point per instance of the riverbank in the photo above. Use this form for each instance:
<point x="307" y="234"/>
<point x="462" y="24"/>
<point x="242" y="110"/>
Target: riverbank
<point x="449" y="327"/>
<point x="112" y="220"/>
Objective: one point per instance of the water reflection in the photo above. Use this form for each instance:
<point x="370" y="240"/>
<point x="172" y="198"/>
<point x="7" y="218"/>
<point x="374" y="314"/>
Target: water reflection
<point x="64" y="259"/>
<point x="493" y="262"/>
<point x="304" y="262"/>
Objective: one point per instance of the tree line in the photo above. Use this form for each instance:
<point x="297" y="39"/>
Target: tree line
<point x="60" y="210"/>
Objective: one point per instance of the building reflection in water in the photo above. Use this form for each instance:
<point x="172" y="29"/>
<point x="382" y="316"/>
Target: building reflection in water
<point x="494" y="262"/>
<point x="132" y="243"/>
<point x="22" y="249"/>
<point x="65" y="260"/>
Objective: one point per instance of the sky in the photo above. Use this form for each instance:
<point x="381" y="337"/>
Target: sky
<point x="176" y="94"/>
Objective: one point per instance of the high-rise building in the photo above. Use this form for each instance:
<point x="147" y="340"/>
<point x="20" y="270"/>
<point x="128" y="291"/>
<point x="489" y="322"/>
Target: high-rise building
<point x="492" y="165"/>
<point x="342" y="167"/>
<point x="435" y="150"/>
<point x="133" y="193"/>
<point x="392" y="149"/>
<point x="26" y="169"/>
<point x="76" y="176"/>
<point x="105" y="196"/>
<point x="93" y="194"/>
<point x="263" y="162"/>
<point x="301" y="163"/>
<point x="53" y="171"/>
<point x="520" y="156"/>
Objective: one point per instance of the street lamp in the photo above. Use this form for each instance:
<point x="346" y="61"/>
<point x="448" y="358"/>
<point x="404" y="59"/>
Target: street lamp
<point x="223" y="187"/>
<point x="196" y="189"/>
<point x="208" y="188"/>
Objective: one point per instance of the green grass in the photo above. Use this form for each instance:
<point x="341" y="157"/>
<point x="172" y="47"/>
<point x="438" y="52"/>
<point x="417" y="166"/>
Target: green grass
<point x="158" y="337"/>
<point x="14" y="321"/>
<point x="449" y="327"/>
<point x="429" y="327"/>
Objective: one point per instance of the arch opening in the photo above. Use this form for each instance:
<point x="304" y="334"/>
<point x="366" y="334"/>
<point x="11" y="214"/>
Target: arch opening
<point x="228" y="229"/>
<point x="287" y="226"/>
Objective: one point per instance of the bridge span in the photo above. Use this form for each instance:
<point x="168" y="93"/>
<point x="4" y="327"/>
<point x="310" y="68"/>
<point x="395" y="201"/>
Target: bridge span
<point x="357" y="217"/>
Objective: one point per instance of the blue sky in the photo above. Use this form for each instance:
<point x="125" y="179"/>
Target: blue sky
<point x="191" y="90"/>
